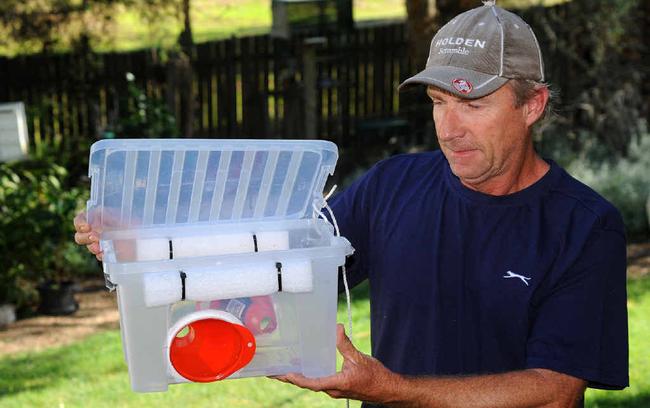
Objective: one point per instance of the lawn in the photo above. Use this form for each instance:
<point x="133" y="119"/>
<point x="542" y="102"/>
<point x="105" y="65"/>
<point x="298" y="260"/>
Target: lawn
<point x="211" y="20"/>
<point x="214" y="19"/>
<point x="92" y="373"/>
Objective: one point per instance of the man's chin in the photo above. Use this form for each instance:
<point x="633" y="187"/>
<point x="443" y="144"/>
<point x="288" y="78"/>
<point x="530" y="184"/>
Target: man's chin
<point x="468" y="175"/>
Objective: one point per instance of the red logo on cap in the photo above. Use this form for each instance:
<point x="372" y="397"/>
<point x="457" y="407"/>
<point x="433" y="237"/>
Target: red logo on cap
<point x="462" y="85"/>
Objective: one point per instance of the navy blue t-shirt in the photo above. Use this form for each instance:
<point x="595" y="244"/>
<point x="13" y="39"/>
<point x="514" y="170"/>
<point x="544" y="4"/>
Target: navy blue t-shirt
<point x="466" y="283"/>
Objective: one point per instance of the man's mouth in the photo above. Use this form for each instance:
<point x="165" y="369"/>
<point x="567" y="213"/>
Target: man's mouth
<point x="462" y="152"/>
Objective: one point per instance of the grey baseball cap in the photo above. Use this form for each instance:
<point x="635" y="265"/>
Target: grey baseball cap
<point x="478" y="51"/>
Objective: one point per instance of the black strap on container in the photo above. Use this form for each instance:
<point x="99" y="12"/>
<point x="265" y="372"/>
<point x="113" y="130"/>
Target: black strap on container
<point x="171" y="250"/>
<point x="278" y="265"/>
<point x="255" y="242"/>
<point x="183" y="277"/>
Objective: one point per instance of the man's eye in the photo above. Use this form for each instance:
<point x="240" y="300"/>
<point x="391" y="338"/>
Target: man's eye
<point x="473" y="106"/>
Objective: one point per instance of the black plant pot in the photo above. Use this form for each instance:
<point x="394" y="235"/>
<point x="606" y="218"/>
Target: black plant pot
<point x="57" y="298"/>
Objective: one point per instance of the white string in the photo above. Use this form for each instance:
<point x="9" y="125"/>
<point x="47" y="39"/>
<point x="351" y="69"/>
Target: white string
<point x="344" y="273"/>
<point x="343" y="270"/>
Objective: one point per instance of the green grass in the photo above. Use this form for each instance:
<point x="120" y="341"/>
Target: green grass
<point x="638" y="394"/>
<point x="92" y="373"/>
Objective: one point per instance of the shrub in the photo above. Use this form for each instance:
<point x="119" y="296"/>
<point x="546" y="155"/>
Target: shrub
<point x="624" y="181"/>
<point x="144" y="116"/>
<point x="36" y="231"/>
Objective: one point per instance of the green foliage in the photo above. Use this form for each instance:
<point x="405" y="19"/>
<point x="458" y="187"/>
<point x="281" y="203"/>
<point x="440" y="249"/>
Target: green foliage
<point x="145" y="116"/>
<point x="625" y="182"/>
<point x="37" y="207"/>
<point x="593" y="52"/>
<point x="638" y="394"/>
<point x="45" y="26"/>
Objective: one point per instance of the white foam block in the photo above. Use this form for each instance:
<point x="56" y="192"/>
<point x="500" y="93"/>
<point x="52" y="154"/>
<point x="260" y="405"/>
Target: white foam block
<point x="210" y="245"/>
<point x="151" y="249"/>
<point x="231" y="282"/>
<point x="162" y="288"/>
<point x="297" y="276"/>
<point x="272" y="240"/>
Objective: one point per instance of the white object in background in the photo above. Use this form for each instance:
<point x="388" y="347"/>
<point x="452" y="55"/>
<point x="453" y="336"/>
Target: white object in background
<point x="14" y="142"/>
<point x="7" y="315"/>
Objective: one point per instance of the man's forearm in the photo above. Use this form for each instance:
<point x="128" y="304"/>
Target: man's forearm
<point x="527" y="388"/>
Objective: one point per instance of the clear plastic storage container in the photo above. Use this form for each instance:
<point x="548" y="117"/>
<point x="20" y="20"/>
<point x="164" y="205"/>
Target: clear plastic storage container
<point x="221" y="266"/>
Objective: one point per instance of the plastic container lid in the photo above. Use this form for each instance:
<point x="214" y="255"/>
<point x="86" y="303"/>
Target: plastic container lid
<point x="140" y="183"/>
<point x="209" y="346"/>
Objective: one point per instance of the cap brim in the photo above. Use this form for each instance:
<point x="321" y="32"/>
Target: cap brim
<point x="445" y="77"/>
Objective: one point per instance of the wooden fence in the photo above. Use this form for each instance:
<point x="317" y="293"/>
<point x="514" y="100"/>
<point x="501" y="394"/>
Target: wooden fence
<point x="250" y="87"/>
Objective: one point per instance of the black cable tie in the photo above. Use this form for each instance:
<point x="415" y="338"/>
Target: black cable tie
<point x="183" y="277"/>
<point x="255" y="242"/>
<point x="278" y="265"/>
<point x="171" y="250"/>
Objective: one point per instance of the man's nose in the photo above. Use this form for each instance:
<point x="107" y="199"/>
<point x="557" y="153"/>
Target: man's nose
<point x="448" y="123"/>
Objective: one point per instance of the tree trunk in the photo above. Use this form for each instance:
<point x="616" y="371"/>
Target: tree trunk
<point x="186" y="72"/>
<point x="419" y="28"/>
<point x="645" y="62"/>
<point x="447" y="9"/>
<point x="185" y="40"/>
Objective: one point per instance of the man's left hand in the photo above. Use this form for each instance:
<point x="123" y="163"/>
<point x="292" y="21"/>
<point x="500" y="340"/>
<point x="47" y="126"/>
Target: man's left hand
<point x="362" y="377"/>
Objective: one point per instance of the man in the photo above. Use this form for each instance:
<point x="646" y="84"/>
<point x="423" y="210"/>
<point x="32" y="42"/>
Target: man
<point x="496" y="279"/>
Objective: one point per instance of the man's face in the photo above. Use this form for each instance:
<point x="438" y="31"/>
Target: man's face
<point x="481" y="138"/>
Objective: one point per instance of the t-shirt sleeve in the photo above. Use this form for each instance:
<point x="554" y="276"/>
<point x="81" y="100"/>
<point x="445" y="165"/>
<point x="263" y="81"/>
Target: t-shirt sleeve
<point x="352" y="211"/>
<point x="580" y="326"/>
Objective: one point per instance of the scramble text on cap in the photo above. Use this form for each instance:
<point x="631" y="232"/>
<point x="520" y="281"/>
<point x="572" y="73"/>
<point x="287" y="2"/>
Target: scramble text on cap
<point x="478" y="51"/>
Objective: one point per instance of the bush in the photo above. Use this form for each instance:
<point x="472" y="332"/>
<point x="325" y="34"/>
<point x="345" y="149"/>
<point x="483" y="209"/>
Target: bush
<point x="144" y="116"/>
<point x="36" y="231"/>
<point x="624" y="181"/>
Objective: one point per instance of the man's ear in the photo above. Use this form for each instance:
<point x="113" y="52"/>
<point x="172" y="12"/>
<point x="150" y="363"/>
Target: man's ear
<point x="534" y="106"/>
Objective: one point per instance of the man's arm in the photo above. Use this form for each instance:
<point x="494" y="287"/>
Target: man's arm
<point x="364" y="378"/>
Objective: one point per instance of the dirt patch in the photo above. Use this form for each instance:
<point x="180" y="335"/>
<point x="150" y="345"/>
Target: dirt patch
<point x="98" y="312"/>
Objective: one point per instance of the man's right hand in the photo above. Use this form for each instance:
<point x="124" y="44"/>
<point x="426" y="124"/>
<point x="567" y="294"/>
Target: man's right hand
<point x="86" y="236"/>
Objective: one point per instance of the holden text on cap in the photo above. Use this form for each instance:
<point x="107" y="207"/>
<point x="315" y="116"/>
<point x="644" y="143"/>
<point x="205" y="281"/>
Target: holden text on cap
<point x="469" y="42"/>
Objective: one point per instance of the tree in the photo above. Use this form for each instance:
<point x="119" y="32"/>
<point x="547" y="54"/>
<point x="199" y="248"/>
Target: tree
<point x="41" y="26"/>
<point x="179" y="67"/>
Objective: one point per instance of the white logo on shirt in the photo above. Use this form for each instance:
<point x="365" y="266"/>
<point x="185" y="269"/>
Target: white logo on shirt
<point x="511" y="274"/>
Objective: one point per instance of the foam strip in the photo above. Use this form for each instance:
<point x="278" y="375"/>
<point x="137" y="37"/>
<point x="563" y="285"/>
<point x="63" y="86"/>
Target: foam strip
<point x="231" y="282"/>
<point x="210" y="245"/>
<point x="272" y="240"/>
<point x="162" y="288"/>
<point x="297" y="276"/>
<point x="151" y="249"/>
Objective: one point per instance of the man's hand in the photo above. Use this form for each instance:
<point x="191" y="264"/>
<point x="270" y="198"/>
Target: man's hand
<point x="86" y="236"/>
<point x="366" y="379"/>
<point x="362" y="377"/>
